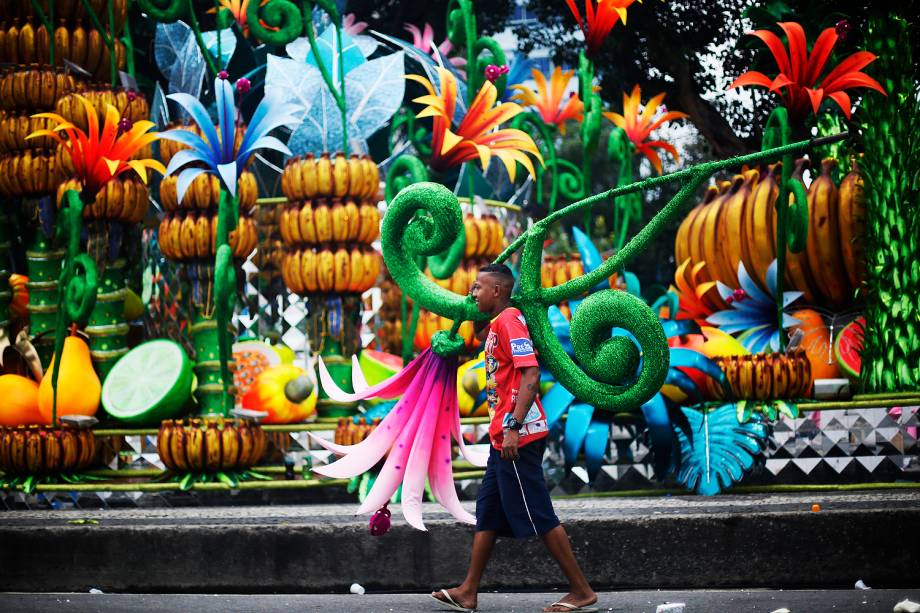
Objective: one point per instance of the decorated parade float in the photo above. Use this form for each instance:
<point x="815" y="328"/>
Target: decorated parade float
<point x="237" y="241"/>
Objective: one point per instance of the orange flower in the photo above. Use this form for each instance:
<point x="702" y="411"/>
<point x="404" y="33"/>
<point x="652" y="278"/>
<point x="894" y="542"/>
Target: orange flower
<point x="599" y="20"/>
<point x="477" y="136"/>
<point x="797" y="81"/>
<point x="102" y="152"/>
<point x="238" y="9"/>
<point x="698" y="299"/>
<point x="639" y="127"/>
<point x="548" y="100"/>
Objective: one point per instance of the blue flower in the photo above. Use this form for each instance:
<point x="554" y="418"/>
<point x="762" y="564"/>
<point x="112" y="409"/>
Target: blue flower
<point x="216" y="152"/>
<point x="752" y="314"/>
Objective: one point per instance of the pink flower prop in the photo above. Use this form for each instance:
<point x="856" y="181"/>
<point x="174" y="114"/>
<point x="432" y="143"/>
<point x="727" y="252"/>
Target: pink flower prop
<point x="351" y="25"/>
<point x="415" y="437"/>
<point x="423" y="39"/>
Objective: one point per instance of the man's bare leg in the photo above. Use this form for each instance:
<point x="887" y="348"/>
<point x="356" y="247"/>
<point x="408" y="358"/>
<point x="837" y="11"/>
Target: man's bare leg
<point x="466" y="594"/>
<point x="580" y="592"/>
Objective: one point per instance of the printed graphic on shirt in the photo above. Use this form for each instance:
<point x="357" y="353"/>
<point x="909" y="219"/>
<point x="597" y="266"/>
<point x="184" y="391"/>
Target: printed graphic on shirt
<point x="492" y="398"/>
<point x="521" y="347"/>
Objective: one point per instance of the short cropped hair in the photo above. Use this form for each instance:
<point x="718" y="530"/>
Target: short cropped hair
<point x="498" y="269"/>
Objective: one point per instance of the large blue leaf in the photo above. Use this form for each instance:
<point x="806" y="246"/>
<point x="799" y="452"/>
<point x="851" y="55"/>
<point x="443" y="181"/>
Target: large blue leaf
<point x="576" y="428"/>
<point x="227" y="45"/>
<point x="179" y="58"/>
<point x="321" y="129"/>
<point x="374" y="91"/>
<point x="293" y="82"/>
<point x="661" y="434"/>
<point x="590" y="256"/>
<point x="351" y="57"/>
<point x="555" y="402"/>
<point x="721" y="449"/>
<point x="596" y="440"/>
<point x="518" y="72"/>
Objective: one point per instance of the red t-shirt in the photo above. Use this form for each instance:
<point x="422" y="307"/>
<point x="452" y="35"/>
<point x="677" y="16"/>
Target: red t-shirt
<point x="508" y="349"/>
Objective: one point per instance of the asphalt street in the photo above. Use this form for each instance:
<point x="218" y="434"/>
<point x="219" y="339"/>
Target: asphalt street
<point x="728" y="601"/>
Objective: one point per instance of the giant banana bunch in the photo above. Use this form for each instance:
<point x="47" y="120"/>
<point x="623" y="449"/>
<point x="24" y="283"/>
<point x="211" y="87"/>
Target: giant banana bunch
<point x="71" y="11"/>
<point x="340" y="270"/>
<point x="556" y="270"/>
<point x="210" y="444"/>
<point x="36" y="450"/>
<point x="759" y="224"/>
<point x="123" y="198"/>
<point x="14" y="128"/>
<point x="731" y="239"/>
<point x="736" y="223"/>
<point x="129" y="104"/>
<point x="485" y="236"/>
<point x="169" y="148"/>
<point x="204" y="192"/>
<point x="429" y="323"/>
<point x="28" y="173"/>
<point x="190" y="235"/>
<point x="824" y="257"/>
<point x="307" y="178"/>
<point x="851" y="219"/>
<point x="764" y="376"/>
<point x="85" y="47"/>
<point x="322" y="221"/>
<point x="34" y="88"/>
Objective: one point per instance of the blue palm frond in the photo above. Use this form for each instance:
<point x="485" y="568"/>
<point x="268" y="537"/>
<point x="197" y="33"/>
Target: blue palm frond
<point x="216" y="150"/>
<point x="720" y="449"/>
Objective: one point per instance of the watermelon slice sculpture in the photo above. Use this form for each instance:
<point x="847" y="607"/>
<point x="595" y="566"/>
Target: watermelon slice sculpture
<point x="848" y="347"/>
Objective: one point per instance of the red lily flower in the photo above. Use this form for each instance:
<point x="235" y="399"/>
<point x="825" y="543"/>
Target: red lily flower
<point x="639" y="127"/>
<point x="797" y="82"/>
<point x="599" y="20"/>
<point x="102" y="152"/>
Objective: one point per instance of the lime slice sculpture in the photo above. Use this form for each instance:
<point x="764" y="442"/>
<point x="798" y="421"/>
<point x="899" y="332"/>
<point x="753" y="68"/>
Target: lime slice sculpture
<point x="152" y="382"/>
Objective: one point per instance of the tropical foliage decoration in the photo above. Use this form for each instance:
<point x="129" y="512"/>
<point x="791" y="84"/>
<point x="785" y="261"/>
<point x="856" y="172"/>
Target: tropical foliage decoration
<point x="638" y="127"/>
<point x="598" y="20"/>
<point x="549" y="100"/>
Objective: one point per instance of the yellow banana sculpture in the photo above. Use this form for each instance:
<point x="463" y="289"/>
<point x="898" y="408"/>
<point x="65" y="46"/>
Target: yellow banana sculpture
<point x="852" y="226"/>
<point x="823" y="248"/>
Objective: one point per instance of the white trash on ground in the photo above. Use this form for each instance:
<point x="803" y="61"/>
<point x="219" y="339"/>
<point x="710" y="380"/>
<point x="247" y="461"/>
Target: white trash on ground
<point x="861" y="586"/>
<point x="356" y="589"/>
<point x="907" y="606"/>
<point x="671" y="607"/>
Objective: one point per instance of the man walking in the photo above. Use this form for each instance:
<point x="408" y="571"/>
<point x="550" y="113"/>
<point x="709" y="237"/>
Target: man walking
<point x="513" y="499"/>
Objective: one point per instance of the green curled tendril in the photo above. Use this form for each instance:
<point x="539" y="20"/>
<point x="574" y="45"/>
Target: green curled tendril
<point x="281" y="14"/>
<point x="403" y="172"/>
<point x="626" y="208"/>
<point x="797" y="220"/>
<point x="480" y="51"/>
<point x="424" y="219"/>
<point x="568" y="175"/>
<point x="164" y="11"/>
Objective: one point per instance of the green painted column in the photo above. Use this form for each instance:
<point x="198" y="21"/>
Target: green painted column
<point x="210" y="390"/>
<point x="44" y="267"/>
<point x="107" y="328"/>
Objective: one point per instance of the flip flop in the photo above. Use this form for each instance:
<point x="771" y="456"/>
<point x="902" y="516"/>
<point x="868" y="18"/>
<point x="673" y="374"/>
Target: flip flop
<point x="575" y="608"/>
<point x="452" y="604"/>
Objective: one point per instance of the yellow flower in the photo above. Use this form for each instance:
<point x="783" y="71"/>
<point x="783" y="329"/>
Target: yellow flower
<point x="548" y="101"/>
<point x="639" y="127"/>
<point x="477" y="136"/>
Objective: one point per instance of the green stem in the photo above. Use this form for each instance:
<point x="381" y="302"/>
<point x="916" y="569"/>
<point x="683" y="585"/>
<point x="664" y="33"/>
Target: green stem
<point x="129" y="49"/>
<point x="199" y="39"/>
<point x="113" y="61"/>
<point x="338" y="96"/>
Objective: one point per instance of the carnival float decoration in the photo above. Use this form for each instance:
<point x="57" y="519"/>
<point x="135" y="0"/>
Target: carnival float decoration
<point x="362" y="180"/>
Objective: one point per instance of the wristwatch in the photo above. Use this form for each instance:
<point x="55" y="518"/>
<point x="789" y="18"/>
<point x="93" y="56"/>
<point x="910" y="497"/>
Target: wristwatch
<point x="512" y="424"/>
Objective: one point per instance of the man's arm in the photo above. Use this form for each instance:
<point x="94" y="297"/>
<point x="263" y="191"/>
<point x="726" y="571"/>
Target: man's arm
<point x="530" y="385"/>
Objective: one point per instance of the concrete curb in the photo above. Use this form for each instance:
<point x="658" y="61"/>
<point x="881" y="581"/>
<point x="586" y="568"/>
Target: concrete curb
<point x="724" y="549"/>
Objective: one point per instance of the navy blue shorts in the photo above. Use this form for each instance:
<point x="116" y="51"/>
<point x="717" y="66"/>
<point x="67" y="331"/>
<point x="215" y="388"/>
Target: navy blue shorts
<point x="513" y="498"/>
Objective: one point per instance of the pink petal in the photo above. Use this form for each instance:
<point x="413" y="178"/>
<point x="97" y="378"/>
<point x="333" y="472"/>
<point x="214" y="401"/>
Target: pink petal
<point x="390" y="388"/>
<point x="440" y="465"/>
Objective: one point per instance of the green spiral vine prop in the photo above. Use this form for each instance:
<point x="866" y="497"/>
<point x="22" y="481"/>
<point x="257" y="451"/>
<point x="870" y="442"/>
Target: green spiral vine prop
<point x="77" y="283"/>
<point x="480" y="50"/>
<point x="612" y="373"/>
<point x="418" y="136"/>
<point x="281" y="14"/>
<point x="542" y="135"/>
<point x="569" y="179"/>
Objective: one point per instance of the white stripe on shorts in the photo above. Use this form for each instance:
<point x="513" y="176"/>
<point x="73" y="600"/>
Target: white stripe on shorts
<point x="524" y="498"/>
